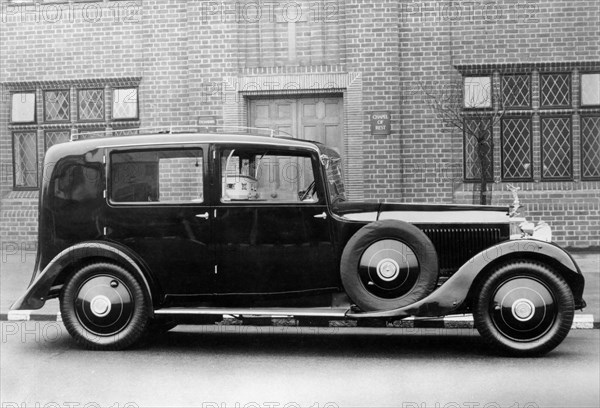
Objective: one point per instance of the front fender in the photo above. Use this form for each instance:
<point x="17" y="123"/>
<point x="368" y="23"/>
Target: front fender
<point x="38" y="291"/>
<point x="449" y="297"/>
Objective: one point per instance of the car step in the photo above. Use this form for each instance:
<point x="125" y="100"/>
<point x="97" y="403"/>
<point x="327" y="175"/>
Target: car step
<point x="266" y="312"/>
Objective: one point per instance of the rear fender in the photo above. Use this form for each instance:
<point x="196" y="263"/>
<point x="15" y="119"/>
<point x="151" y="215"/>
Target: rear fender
<point x="44" y="285"/>
<point x="449" y="297"/>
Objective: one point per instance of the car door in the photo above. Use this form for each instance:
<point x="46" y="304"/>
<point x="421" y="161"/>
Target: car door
<point x="269" y="238"/>
<point x="158" y="207"/>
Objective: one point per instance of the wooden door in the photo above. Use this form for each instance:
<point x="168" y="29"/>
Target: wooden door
<point x="319" y="119"/>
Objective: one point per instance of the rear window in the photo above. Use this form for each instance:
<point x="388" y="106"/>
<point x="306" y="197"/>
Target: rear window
<point x="163" y="176"/>
<point x="76" y="182"/>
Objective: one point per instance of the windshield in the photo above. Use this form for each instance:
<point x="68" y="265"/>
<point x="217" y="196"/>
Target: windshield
<point x="335" y="175"/>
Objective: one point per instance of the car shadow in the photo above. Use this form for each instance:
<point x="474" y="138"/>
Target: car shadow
<point x="330" y="342"/>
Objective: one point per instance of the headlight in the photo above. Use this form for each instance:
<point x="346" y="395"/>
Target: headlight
<point x="543" y="232"/>
<point x="521" y="228"/>
<point x="515" y="230"/>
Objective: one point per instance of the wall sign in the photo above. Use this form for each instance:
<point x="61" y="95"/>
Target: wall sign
<point x="207" y="120"/>
<point x="381" y="123"/>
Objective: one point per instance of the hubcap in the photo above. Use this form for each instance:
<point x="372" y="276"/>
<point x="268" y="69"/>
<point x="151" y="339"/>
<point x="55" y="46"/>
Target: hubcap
<point x="102" y="307"/>
<point x="523" y="308"/>
<point x="388" y="269"/>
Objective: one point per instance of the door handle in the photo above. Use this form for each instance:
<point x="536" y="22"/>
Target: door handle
<point x="321" y="216"/>
<point x="205" y="215"/>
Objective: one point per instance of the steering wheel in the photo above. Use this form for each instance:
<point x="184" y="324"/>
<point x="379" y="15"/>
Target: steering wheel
<point x="310" y="190"/>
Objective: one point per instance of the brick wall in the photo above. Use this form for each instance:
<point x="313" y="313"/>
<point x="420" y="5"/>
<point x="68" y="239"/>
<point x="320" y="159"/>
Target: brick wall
<point x="164" y="43"/>
<point x="373" y="49"/>
<point x="430" y="151"/>
<point x="19" y="218"/>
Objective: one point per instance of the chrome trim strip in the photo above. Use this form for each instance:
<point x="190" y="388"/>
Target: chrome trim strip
<point x="322" y="312"/>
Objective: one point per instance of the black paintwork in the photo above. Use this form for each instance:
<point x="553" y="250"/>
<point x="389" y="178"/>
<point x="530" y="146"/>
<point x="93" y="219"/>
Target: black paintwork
<point x="244" y="254"/>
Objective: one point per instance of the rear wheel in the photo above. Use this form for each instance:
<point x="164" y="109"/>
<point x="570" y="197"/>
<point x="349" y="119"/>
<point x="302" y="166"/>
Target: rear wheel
<point x="388" y="265"/>
<point x="524" y="308"/>
<point x="104" y="307"/>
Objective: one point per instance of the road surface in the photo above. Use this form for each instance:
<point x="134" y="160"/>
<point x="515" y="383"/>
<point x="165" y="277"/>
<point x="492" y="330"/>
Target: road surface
<point x="254" y="367"/>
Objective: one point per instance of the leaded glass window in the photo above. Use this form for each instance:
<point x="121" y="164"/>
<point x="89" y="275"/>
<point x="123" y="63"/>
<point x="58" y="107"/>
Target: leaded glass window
<point x="25" y="159"/>
<point x="590" y="147"/>
<point x="516" y="91"/>
<point x="56" y="136"/>
<point x="555" y="90"/>
<point x="90" y="104"/>
<point x="478" y="149"/>
<point x="517" y="149"/>
<point x="125" y="103"/>
<point x="557" y="162"/>
<point x="23" y="107"/>
<point x="57" y="106"/>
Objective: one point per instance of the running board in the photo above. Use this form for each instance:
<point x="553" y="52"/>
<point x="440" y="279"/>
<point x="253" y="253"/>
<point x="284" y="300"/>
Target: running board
<point x="267" y="312"/>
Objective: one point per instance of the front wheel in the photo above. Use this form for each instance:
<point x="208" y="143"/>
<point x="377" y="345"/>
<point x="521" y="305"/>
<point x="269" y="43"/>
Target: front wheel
<point x="104" y="307"/>
<point x="524" y="308"/>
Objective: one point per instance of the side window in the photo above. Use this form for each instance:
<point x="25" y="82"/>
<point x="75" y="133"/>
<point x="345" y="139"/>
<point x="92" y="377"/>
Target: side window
<point x="267" y="175"/>
<point x="77" y="183"/>
<point x="164" y="176"/>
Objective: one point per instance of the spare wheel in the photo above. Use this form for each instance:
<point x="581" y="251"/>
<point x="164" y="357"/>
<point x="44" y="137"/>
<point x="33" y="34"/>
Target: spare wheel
<point x="387" y="265"/>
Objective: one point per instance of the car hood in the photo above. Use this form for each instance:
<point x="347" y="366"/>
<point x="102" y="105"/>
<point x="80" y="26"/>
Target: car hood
<point x="422" y="213"/>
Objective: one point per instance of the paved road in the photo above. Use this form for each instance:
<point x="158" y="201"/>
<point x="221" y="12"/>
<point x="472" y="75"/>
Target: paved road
<point x="200" y="366"/>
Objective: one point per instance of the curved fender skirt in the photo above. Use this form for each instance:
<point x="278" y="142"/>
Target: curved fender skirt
<point x="36" y="295"/>
<point x="451" y="295"/>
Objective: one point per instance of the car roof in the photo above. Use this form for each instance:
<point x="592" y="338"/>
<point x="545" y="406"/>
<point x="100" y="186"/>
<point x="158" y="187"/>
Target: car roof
<point x="80" y="146"/>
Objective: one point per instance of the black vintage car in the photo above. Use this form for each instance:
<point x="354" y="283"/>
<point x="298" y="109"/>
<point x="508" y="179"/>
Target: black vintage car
<point x="142" y="231"/>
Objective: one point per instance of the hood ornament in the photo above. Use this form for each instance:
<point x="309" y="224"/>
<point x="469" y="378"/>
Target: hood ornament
<point x="516" y="203"/>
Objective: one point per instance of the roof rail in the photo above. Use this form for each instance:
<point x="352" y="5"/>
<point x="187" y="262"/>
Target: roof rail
<point x="255" y="131"/>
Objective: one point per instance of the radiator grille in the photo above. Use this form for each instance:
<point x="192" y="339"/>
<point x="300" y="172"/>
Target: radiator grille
<point x="455" y="246"/>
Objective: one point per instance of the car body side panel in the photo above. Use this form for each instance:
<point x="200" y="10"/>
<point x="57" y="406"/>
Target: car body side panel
<point x="37" y="293"/>
<point x="449" y="297"/>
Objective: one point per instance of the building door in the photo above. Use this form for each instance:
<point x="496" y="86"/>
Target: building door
<point x="319" y="119"/>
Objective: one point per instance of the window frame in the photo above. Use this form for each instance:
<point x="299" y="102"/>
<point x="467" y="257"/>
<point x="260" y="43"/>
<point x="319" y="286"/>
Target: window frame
<point x="530" y="101"/>
<point x="569" y="105"/>
<point x="581" y="74"/>
<point x="103" y="119"/>
<point x="581" y="117"/>
<point x="541" y="164"/>
<point x="14" y="162"/>
<point x="502" y="140"/>
<point x="146" y="148"/>
<point x="485" y="108"/>
<point x="306" y="153"/>
<point x="46" y="147"/>
<point x="45" y="120"/>
<point x="477" y="180"/>
<point x="137" y="102"/>
<point x="35" y="110"/>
